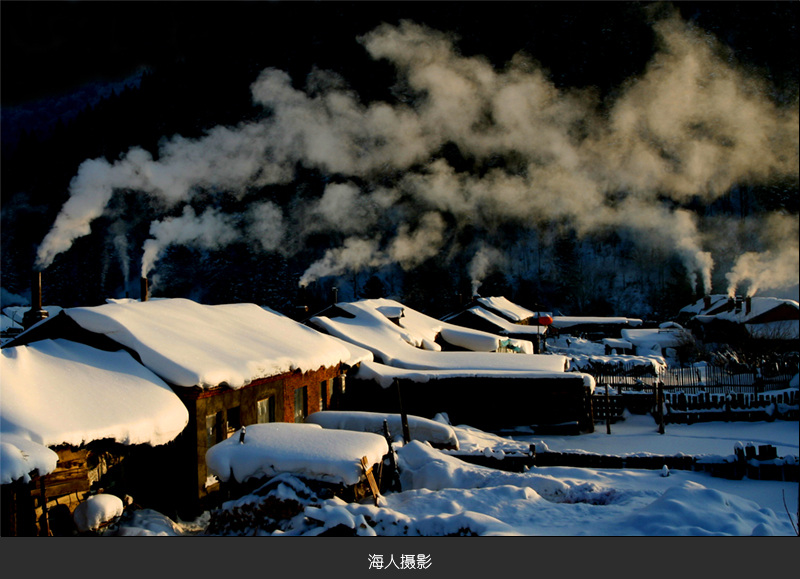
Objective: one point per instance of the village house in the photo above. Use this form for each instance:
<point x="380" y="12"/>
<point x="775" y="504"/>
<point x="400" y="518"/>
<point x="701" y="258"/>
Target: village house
<point x="424" y="366"/>
<point x="498" y="315"/>
<point x="772" y="323"/>
<point x="231" y="365"/>
<point x="670" y="340"/>
<point x="76" y="420"/>
<point x="594" y="328"/>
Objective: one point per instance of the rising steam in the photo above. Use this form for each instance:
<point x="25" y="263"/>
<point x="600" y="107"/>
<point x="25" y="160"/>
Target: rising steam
<point x="690" y="127"/>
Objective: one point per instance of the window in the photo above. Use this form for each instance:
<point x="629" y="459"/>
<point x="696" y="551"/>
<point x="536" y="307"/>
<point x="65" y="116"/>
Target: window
<point x="213" y="429"/>
<point x="300" y="404"/>
<point x="266" y="409"/>
<point x="323" y="395"/>
<point x="234" y="421"/>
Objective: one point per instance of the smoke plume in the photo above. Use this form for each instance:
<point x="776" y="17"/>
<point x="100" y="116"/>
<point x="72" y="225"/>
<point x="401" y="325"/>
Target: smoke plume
<point x="211" y="230"/>
<point x="775" y="267"/>
<point x="690" y="127"/>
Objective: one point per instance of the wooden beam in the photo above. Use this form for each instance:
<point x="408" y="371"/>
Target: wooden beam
<point x="371" y="479"/>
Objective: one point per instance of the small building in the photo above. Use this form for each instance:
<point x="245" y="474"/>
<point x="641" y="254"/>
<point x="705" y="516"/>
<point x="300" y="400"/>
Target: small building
<point x="669" y="340"/>
<point x="498" y="315"/>
<point x="593" y="327"/>
<point x="481" y="383"/>
<point x="76" y="420"/>
<point x="231" y="365"/>
<point x="773" y="322"/>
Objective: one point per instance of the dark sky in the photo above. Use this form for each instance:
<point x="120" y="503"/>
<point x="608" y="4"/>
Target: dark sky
<point x="51" y="47"/>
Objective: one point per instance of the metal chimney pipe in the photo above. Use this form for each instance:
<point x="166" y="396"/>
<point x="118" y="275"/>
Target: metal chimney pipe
<point x="144" y="290"/>
<point x="37" y="313"/>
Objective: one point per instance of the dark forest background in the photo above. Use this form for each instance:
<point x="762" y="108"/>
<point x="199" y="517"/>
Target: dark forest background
<point x="84" y="80"/>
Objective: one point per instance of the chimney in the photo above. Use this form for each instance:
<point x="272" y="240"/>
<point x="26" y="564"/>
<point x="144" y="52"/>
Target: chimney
<point x="748" y="305"/>
<point x="144" y="290"/>
<point x="37" y="313"/>
<point x="706" y="302"/>
<point x="335" y="291"/>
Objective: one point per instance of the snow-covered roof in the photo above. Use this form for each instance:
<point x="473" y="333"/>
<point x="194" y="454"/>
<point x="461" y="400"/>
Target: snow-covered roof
<point x="410" y="343"/>
<point x="306" y="450"/>
<point x="747" y="312"/>
<point x="7" y="323"/>
<point x="504" y="325"/>
<point x="191" y="344"/>
<point x="16" y="313"/>
<point x="722" y="306"/>
<point x="617" y="343"/>
<point x="561" y="322"/>
<point x="507" y="308"/>
<point x="419" y="428"/>
<point x="61" y="392"/>
<point x="657" y="338"/>
<point x="385" y="375"/>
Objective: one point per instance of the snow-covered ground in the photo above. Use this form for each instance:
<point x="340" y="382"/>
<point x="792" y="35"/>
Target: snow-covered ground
<point x="443" y="496"/>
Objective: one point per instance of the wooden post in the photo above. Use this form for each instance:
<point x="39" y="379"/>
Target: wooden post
<point x="45" y="529"/>
<point x="660" y="402"/>
<point x="393" y="483"/>
<point x="371" y="479"/>
<point x="403" y="415"/>
<point x="608" y="411"/>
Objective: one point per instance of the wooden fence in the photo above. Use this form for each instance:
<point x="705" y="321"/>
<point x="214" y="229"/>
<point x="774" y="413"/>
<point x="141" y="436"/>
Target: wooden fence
<point x="695" y="394"/>
<point x="710" y="378"/>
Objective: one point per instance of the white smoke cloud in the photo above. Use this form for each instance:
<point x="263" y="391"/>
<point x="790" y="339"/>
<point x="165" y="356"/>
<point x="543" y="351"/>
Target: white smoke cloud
<point x="410" y="247"/>
<point x="354" y="255"/>
<point x="774" y="268"/>
<point x="486" y="260"/>
<point x="266" y="225"/>
<point x="210" y="230"/>
<point x="119" y="232"/>
<point x="690" y="127"/>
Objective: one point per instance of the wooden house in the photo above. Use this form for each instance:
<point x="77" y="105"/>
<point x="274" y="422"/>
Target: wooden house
<point x="498" y="315"/>
<point x="482" y="383"/>
<point x="594" y="328"/>
<point x="765" y="323"/>
<point x="231" y="365"/>
<point x="77" y="420"/>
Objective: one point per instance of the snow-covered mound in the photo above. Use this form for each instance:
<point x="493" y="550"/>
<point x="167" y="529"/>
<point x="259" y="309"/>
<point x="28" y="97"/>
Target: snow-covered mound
<point x="306" y="450"/>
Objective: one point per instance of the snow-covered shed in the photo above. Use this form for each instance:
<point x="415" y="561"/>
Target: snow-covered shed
<point x="498" y="315"/>
<point x="593" y="327"/>
<point x="477" y="385"/>
<point x="72" y="417"/>
<point x="727" y="319"/>
<point x="341" y="460"/>
<point x="668" y="340"/>
<point x="230" y="364"/>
